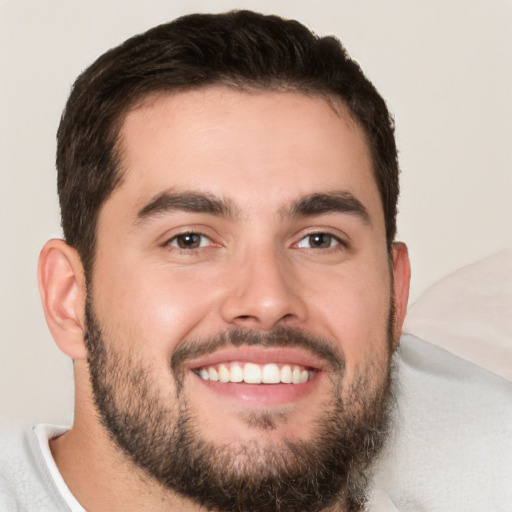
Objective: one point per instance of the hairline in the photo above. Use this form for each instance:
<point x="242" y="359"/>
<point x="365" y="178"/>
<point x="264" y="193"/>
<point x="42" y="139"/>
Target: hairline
<point x="115" y="130"/>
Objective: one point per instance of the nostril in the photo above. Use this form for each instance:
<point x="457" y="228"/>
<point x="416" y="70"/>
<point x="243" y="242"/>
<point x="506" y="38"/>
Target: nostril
<point x="258" y="322"/>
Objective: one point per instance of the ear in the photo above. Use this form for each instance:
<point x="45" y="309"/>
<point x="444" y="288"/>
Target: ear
<point x="62" y="288"/>
<point x="401" y="278"/>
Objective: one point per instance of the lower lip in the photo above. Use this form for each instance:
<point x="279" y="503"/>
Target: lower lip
<point x="262" y="394"/>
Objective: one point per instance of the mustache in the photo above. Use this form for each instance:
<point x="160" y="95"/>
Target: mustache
<point x="280" y="337"/>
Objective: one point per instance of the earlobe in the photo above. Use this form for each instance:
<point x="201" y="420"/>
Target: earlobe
<point x="62" y="288"/>
<point x="401" y="277"/>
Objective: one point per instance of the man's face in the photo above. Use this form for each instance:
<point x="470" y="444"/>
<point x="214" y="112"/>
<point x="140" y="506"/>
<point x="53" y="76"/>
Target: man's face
<point x="241" y="294"/>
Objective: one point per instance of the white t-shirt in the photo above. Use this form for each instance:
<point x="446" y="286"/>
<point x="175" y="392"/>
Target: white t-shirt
<point x="31" y="482"/>
<point x="43" y="434"/>
<point x="29" y="478"/>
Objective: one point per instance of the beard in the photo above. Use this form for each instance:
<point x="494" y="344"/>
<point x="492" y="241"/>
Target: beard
<point x="329" y="471"/>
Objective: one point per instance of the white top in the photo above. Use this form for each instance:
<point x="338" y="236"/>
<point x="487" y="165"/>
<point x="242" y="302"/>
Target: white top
<point x="44" y="433"/>
<point x="379" y="500"/>
<point x="30" y="480"/>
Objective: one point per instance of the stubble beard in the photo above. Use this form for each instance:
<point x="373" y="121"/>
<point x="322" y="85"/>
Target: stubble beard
<point x="330" y="471"/>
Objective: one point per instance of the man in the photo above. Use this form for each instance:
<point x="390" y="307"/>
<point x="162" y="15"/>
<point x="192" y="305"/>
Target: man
<point x="229" y="287"/>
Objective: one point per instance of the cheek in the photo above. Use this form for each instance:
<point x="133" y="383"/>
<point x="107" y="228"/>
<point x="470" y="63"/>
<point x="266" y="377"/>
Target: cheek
<point x="355" y="308"/>
<point x="156" y="308"/>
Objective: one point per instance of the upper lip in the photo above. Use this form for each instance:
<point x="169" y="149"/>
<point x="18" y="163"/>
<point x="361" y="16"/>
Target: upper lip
<point x="259" y="355"/>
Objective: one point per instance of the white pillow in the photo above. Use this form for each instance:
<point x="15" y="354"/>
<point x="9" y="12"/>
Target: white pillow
<point x="469" y="313"/>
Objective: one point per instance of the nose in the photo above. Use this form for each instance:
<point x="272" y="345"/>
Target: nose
<point x="263" y="293"/>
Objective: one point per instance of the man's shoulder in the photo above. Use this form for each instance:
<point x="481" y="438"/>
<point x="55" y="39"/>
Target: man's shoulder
<point x="452" y="448"/>
<point x="25" y="482"/>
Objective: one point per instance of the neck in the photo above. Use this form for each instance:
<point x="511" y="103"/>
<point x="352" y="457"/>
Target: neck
<point x="107" y="481"/>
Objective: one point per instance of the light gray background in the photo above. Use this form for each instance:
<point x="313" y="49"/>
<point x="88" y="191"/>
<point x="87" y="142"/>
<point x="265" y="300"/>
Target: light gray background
<point x="443" y="66"/>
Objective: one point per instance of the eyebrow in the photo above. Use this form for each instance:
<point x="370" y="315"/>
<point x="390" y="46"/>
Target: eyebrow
<point x="331" y="202"/>
<point x="186" y="201"/>
<point x="307" y="206"/>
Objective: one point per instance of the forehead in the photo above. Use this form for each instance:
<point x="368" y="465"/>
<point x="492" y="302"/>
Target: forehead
<point x="261" y="149"/>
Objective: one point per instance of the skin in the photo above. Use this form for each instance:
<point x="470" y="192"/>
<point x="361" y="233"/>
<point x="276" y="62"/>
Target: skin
<point x="255" y="269"/>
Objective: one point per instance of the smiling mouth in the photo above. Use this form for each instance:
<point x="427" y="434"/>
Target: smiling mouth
<point x="251" y="373"/>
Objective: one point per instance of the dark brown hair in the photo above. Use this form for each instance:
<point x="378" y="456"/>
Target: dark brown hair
<point x="240" y="49"/>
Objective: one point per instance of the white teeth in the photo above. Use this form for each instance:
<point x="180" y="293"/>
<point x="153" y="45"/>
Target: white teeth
<point x="223" y="373"/>
<point x="286" y="374"/>
<point x="237" y="373"/>
<point x="251" y="373"/>
<point x="204" y="374"/>
<point x="296" y="375"/>
<point x="271" y="374"/>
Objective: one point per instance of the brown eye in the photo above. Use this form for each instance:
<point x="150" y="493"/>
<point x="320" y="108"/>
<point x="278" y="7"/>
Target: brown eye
<point x="189" y="241"/>
<point x="318" y="241"/>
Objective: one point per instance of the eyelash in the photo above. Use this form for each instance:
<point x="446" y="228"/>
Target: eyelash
<point x="174" y="241"/>
<point x="338" y="242"/>
<point x="335" y="242"/>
